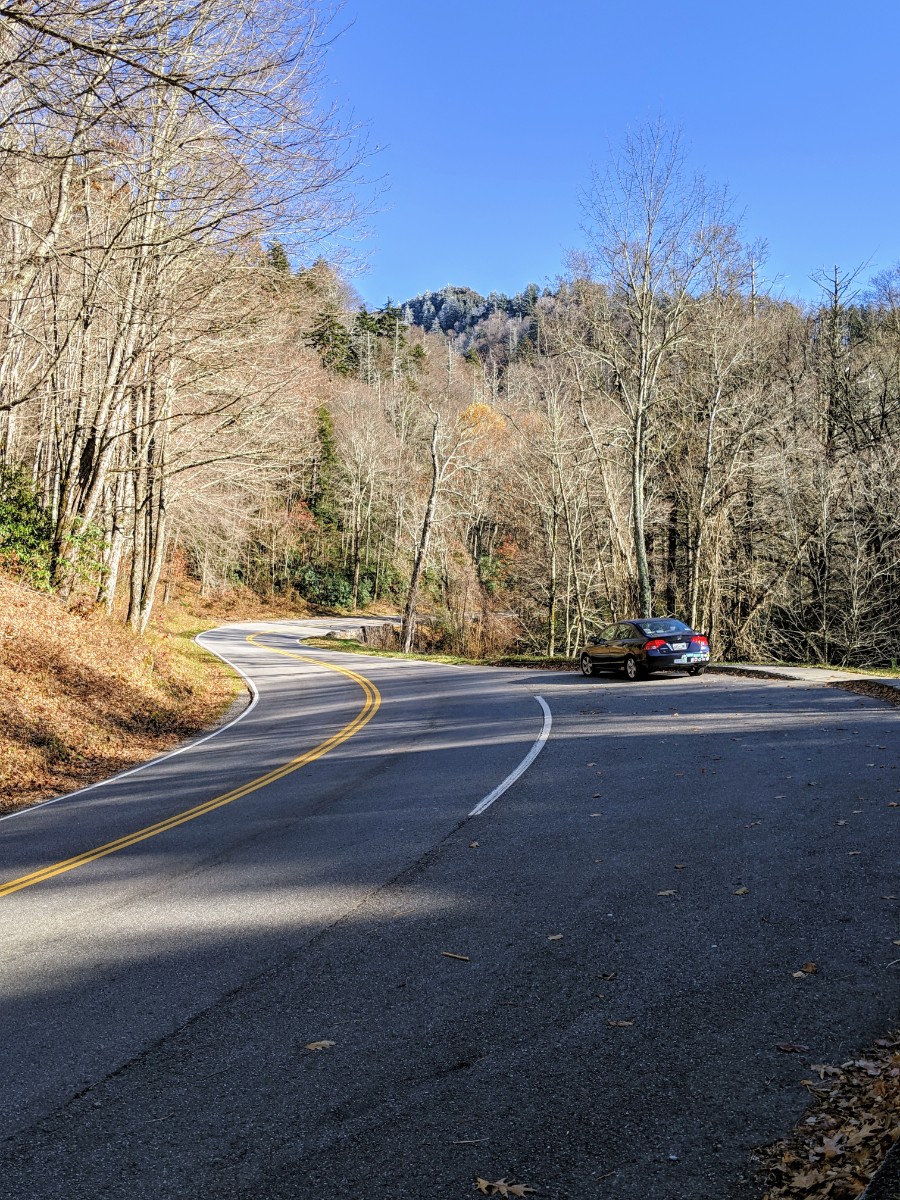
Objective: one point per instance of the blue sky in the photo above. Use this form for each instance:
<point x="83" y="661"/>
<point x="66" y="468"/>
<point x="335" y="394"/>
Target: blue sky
<point x="490" y="115"/>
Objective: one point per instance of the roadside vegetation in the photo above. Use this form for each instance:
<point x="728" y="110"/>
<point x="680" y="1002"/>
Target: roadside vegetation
<point x="85" y="696"/>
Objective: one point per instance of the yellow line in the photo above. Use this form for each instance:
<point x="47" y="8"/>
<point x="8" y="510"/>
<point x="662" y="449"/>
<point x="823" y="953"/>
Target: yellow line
<point x="366" y="713"/>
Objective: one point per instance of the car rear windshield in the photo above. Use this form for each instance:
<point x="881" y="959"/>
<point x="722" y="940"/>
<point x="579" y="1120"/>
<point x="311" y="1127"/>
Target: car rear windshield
<point x="659" y="627"/>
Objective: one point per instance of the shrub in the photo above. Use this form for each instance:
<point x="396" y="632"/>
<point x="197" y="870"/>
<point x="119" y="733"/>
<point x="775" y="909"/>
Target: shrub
<point x="26" y="529"/>
<point x="324" y="586"/>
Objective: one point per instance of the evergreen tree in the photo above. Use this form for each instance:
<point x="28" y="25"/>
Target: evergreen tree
<point x="322" y="499"/>
<point x="278" y="259"/>
<point x="331" y="338"/>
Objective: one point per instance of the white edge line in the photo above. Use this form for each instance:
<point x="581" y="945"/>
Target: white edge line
<point x="162" y="757"/>
<point x="523" y="765"/>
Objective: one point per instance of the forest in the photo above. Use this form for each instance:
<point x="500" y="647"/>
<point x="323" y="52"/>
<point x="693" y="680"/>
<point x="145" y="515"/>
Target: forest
<point x="189" y="387"/>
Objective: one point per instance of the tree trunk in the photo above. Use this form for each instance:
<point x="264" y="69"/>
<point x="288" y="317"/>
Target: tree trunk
<point x="409" y="615"/>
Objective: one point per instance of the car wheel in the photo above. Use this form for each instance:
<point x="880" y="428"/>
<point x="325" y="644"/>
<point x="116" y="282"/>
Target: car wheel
<point x="696" y="670"/>
<point x="587" y="665"/>
<point x="632" y="668"/>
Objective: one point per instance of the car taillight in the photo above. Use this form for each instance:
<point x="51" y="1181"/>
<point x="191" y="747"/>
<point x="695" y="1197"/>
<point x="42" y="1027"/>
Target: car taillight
<point x="655" y="644"/>
<point x="701" y="641"/>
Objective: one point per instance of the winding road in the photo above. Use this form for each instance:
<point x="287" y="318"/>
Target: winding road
<point x="541" y="928"/>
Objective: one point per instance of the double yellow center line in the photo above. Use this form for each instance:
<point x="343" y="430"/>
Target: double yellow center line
<point x="366" y="713"/>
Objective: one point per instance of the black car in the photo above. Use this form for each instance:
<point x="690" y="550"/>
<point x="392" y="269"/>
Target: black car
<point x="645" y="645"/>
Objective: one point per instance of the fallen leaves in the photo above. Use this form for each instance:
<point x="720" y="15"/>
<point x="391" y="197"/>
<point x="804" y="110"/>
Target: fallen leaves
<point x="791" y="1047"/>
<point x="323" y="1045"/>
<point x="680" y="866"/>
<point x="473" y="845"/>
<point x="555" y="937"/>
<point x="822" y="1069"/>
<point x="668" y="892"/>
<point x="83" y="697"/>
<point x="458" y="957"/>
<point x="742" y="891"/>
<point x="502" y="1187"/>
<point x="834" y="1151"/>
<point x="805" y="971"/>
<point x="620" y="1024"/>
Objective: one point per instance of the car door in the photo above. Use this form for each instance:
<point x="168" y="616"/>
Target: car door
<point x="599" y="646"/>
<point x="621" y="643"/>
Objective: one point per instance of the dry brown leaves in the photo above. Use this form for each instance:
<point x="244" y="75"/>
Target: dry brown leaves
<point x="852" y="1123"/>
<point x="502" y="1187"/>
<point x="84" y="697"/>
<point x="869" y="687"/>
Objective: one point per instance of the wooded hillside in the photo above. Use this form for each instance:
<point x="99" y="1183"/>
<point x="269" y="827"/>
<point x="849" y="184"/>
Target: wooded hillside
<point x="654" y="433"/>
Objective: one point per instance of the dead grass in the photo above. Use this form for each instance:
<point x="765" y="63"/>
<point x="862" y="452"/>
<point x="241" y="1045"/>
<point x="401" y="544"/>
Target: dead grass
<point x="84" y="697"/>
<point x="189" y="611"/>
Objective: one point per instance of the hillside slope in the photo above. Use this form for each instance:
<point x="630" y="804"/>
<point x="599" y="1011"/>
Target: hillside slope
<point x="84" y="697"/>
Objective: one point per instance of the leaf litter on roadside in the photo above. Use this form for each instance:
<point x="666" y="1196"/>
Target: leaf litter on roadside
<point x="843" y="1138"/>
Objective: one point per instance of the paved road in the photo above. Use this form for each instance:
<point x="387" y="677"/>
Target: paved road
<point x="158" y="1000"/>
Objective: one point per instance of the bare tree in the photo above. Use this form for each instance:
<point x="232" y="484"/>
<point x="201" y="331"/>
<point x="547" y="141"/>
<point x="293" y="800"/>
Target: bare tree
<point x="652" y="229"/>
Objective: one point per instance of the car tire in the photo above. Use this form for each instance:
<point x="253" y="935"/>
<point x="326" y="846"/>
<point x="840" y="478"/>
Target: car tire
<point x="586" y="664"/>
<point x="633" y="669"/>
<point x="696" y="670"/>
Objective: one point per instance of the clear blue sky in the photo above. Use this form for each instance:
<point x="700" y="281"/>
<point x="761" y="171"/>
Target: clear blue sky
<point x="491" y="113"/>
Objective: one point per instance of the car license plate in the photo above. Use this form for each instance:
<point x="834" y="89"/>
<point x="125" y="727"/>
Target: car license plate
<point x="687" y="658"/>
<point x="679" y="645"/>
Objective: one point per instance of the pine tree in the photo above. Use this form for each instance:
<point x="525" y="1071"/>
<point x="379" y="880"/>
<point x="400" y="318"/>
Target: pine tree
<point x="331" y="338"/>
<point x="278" y="259"/>
<point x="322" y="500"/>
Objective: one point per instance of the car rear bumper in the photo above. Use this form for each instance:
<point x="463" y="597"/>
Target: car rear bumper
<point x="676" y="662"/>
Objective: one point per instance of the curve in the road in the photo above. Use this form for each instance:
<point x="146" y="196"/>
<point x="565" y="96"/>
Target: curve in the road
<point x="366" y="713"/>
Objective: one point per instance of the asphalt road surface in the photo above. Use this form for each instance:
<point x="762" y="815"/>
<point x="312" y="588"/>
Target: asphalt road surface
<point x="583" y="989"/>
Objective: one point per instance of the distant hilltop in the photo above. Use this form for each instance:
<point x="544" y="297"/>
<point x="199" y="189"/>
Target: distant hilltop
<point x="458" y="310"/>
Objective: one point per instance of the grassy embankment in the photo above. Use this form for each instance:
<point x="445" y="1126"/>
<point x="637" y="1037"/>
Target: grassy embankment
<point x="84" y="697"/>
